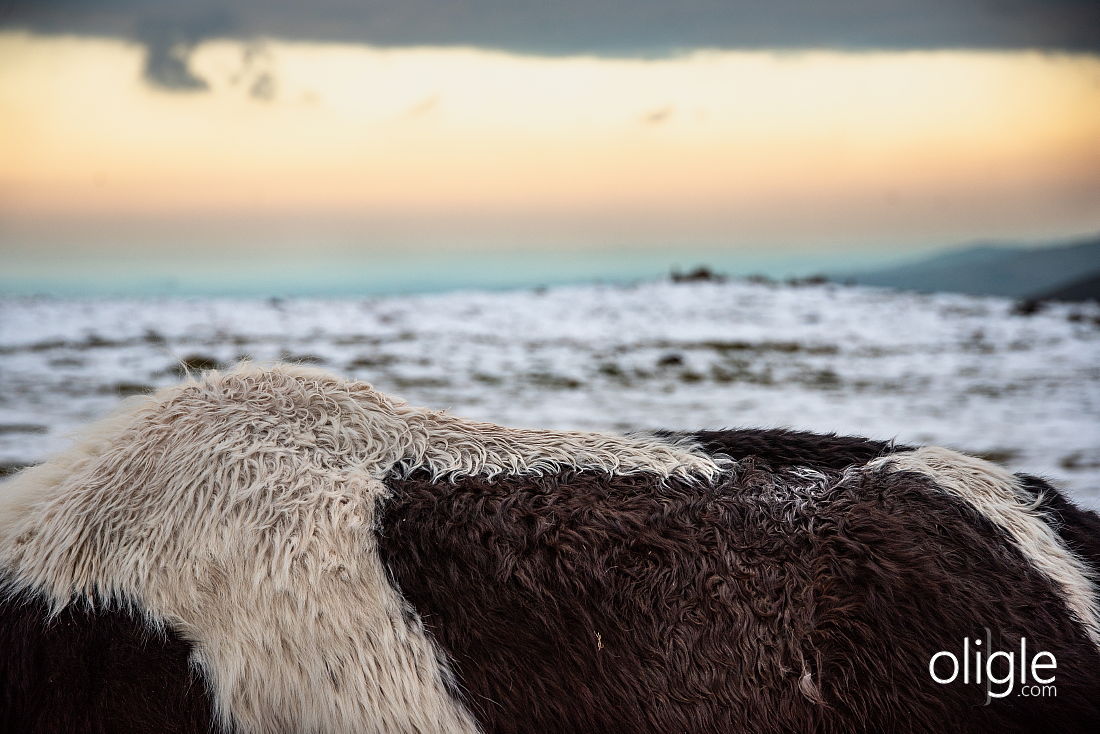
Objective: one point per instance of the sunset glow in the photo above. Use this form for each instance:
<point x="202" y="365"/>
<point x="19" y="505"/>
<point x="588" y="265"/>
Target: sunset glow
<point x="715" y="146"/>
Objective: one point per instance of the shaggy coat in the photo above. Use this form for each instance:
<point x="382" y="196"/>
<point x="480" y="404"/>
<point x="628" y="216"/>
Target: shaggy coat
<point x="280" y="550"/>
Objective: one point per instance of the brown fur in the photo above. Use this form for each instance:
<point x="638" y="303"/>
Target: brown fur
<point x="582" y="602"/>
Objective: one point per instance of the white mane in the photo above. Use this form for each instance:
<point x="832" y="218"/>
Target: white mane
<point x="241" y="510"/>
<point x="996" y="494"/>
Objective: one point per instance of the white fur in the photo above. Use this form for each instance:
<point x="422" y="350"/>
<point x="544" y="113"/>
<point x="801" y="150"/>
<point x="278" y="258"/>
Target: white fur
<point x="997" y="495"/>
<point x="241" y="510"/>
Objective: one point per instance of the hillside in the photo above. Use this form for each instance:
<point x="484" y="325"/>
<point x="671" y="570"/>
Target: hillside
<point x="1083" y="289"/>
<point x="992" y="270"/>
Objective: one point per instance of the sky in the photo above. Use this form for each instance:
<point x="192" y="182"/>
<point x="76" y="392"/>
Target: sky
<point x="417" y="143"/>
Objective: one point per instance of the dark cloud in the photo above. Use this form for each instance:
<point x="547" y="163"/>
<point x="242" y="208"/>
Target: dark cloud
<point x="637" y="28"/>
<point x="166" y="64"/>
<point x="256" y="73"/>
<point x="169" y="35"/>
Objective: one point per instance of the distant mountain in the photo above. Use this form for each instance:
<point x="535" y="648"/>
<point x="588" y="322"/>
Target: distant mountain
<point x="993" y="270"/>
<point x="1082" y="289"/>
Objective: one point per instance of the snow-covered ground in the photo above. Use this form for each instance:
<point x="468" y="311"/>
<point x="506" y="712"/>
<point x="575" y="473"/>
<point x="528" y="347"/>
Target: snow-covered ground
<point x="948" y="369"/>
